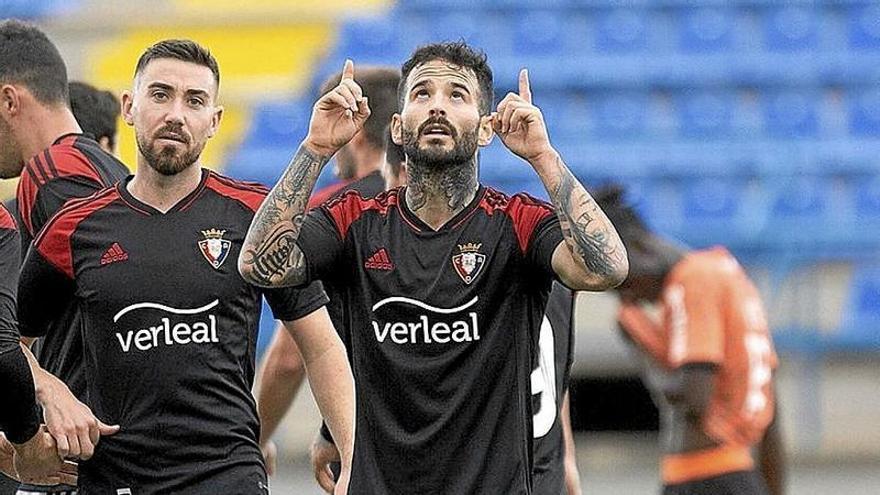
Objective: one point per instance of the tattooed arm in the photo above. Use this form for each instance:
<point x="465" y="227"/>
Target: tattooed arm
<point x="270" y="256"/>
<point x="592" y="256"/>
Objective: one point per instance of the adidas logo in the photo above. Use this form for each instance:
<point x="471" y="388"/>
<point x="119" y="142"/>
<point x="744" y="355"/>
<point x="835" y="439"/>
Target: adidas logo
<point x="113" y="254"/>
<point x="379" y="261"/>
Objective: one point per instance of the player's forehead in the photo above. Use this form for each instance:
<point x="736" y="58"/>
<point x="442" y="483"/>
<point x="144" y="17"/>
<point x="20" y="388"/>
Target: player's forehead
<point x="178" y="75"/>
<point x="441" y="72"/>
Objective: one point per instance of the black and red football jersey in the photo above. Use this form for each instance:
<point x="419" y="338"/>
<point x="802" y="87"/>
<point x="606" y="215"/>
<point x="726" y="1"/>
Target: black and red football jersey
<point x="441" y="326"/>
<point x="74" y="166"/>
<point x="550" y="376"/>
<point x="169" y="333"/>
<point x="10" y="257"/>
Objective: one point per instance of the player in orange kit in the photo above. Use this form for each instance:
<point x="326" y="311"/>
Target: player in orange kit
<point x="707" y="358"/>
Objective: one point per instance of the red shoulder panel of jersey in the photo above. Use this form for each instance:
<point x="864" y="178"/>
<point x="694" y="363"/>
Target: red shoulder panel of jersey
<point x="319" y="197"/>
<point x="59" y="160"/>
<point x="54" y="240"/>
<point x="525" y="211"/>
<point x="250" y="194"/>
<point x="347" y="208"/>
<point x="6" y="220"/>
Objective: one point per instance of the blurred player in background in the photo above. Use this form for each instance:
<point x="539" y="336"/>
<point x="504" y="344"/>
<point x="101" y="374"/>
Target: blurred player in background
<point x="447" y="279"/>
<point x="41" y="140"/>
<point x="169" y="325"/>
<point x="359" y="163"/>
<point x="97" y="112"/>
<point x="27" y="451"/>
<point x="708" y="360"/>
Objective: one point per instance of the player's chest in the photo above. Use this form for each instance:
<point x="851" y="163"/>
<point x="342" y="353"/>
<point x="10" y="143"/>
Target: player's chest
<point x="174" y="258"/>
<point x="395" y="259"/>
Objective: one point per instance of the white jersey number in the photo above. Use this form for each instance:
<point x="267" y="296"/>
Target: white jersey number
<point x="544" y="382"/>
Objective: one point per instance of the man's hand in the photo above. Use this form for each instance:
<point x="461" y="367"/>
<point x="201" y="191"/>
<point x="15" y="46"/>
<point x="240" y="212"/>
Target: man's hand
<point x="323" y="453"/>
<point x="7" y="453"/>
<point x="75" y="429"/>
<point x="520" y="124"/>
<point x="270" y="456"/>
<point x="37" y="462"/>
<point x="338" y="115"/>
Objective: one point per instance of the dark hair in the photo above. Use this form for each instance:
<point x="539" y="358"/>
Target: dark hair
<point x="394" y="155"/>
<point x="185" y="50"/>
<point x="456" y="53"/>
<point x="612" y="199"/>
<point x="29" y="58"/>
<point x="379" y="85"/>
<point x="96" y="111"/>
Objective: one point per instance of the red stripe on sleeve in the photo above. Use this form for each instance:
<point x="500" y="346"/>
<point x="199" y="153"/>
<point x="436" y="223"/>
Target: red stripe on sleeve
<point x="321" y="196"/>
<point x="54" y="240"/>
<point x="66" y="160"/>
<point x="6" y="220"/>
<point x="346" y="209"/>
<point x="525" y="211"/>
<point x="249" y="194"/>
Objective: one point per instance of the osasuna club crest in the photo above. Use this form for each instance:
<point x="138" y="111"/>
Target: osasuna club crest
<point x="469" y="262"/>
<point x="214" y="247"/>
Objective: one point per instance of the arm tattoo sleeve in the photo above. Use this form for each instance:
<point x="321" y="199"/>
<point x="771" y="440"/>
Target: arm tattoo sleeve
<point x="587" y="231"/>
<point x="270" y="256"/>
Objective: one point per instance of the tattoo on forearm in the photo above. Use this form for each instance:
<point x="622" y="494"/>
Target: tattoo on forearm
<point x="588" y="233"/>
<point x="270" y="247"/>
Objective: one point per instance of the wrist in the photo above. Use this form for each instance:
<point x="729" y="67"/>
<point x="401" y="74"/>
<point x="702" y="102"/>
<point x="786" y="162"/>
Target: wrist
<point x="544" y="160"/>
<point x="322" y="153"/>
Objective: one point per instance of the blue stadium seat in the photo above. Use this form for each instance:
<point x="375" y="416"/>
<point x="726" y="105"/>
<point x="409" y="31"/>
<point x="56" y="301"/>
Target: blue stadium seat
<point x="791" y="113"/>
<point x="867" y="200"/>
<point x="620" y="114"/>
<point x="539" y="33"/>
<point x="711" y="199"/>
<point x="706" y="29"/>
<point x="259" y="164"/>
<point x="860" y="329"/>
<point x="279" y="124"/>
<point x="371" y="38"/>
<point x="705" y="114"/>
<point x="567" y="115"/>
<point x="622" y="30"/>
<point x="34" y="9"/>
<point x="864" y="113"/>
<point x="864" y="27"/>
<point x="791" y="28"/>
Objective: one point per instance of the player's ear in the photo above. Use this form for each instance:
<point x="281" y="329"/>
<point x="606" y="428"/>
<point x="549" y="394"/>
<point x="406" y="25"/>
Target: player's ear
<point x="10" y="100"/>
<point x="397" y="129"/>
<point x="127" y="103"/>
<point x="215" y="120"/>
<point x="486" y="133"/>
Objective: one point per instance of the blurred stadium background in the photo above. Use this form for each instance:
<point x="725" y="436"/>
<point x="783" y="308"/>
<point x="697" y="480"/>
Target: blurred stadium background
<point x="749" y="123"/>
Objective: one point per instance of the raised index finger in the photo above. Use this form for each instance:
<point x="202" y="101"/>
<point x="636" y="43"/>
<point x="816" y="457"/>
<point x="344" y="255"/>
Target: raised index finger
<point x="525" y="92"/>
<point x="348" y="70"/>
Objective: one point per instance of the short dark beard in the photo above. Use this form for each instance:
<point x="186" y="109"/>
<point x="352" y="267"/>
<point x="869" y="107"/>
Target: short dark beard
<point x="463" y="150"/>
<point x="165" y="160"/>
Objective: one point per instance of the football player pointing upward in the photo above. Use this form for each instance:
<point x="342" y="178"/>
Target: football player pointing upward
<point x="446" y="280"/>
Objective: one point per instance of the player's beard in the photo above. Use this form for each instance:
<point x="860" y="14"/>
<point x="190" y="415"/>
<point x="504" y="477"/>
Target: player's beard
<point x="432" y="157"/>
<point x="167" y="160"/>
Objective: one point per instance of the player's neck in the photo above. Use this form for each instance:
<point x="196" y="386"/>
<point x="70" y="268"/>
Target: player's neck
<point x="162" y="192"/>
<point x="435" y="196"/>
<point x="44" y="127"/>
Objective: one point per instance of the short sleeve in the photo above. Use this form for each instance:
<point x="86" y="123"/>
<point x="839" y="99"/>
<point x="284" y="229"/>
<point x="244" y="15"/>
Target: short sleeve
<point x="292" y="303"/>
<point x="321" y="243"/>
<point x="543" y="243"/>
<point x="694" y="318"/>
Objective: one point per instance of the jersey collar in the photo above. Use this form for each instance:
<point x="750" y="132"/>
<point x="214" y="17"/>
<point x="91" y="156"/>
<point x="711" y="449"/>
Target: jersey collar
<point x="183" y="204"/>
<point x="419" y="226"/>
